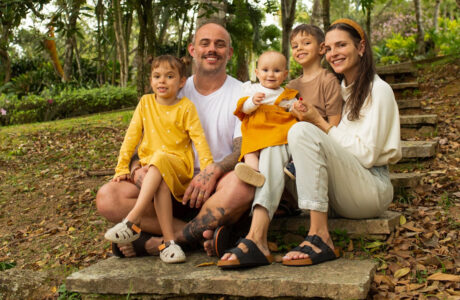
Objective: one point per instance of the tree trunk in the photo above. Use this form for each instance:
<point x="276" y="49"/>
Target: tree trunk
<point x="73" y="12"/>
<point x="99" y="10"/>
<point x="316" y="13"/>
<point x="142" y="70"/>
<point x="122" y="51"/>
<point x="326" y="14"/>
<point x="287" y="20"/>
<point x="181" y="33"/>
<point x="368" y="24"/>
<point x="242" y="72"/>
<point x="420" y="30"/>
<point x="436" y="15"/>
<point x="5" y="66"/>
<point x="216" y="17"/>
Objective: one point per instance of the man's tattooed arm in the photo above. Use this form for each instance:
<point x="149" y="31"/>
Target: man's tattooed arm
<point x="229" y="162"/>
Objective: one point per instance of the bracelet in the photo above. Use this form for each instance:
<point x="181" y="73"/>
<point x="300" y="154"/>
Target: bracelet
<point x="328" y="129"/>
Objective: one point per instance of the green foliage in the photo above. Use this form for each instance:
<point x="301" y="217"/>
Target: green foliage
<point x="399" y="48"/>
<point x="396" y="49"/>
<point x="447" y="38"/>
<point x="64" y="294"/>
<point x="67" y="103"/>
<point x="6" y="265"/>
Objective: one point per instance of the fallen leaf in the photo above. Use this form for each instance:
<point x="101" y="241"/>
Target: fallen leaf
<point x="401" y="272"/>
<point x="206" y="264"/>
<point x="402" y="220"/>
<point x="444" y="277"/>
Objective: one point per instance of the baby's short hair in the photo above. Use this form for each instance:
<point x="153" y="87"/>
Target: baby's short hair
<point x="312" y="30"/>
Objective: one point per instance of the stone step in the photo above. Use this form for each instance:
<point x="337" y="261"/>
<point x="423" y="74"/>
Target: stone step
<point x="405" y="180"/>
<point x="404" y="85"/>
<point x="150" y="278"/>
<point x="409" y="103"/>
<point x="418" y="120"/>
<point x="418" y="149"/>
<point x="376" y="227"/>
<point x="402" y="68"/>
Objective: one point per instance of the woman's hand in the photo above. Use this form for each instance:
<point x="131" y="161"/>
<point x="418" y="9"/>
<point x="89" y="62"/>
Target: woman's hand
<point x="304" y="111"/>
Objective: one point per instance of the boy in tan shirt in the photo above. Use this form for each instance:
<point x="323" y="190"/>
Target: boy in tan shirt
<point x="316" y="85"/>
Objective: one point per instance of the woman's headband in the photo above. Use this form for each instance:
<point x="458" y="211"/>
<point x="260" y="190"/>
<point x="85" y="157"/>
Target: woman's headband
<point x="353" y="24"/>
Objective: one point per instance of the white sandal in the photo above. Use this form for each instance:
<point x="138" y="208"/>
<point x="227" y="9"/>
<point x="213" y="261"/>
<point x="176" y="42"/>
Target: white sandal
<point x="124" y="232"/>
<point x="171" y="253"/>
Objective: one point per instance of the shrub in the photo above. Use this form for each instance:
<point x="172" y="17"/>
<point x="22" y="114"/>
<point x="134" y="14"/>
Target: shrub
<point x="447" y="38"/>
<point x="68" y="103"/>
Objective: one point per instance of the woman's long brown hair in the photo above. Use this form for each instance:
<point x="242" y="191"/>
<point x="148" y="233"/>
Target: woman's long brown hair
<point x="366" y="71"/>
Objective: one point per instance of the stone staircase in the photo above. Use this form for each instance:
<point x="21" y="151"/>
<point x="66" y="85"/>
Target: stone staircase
<point x="199" y="278"/>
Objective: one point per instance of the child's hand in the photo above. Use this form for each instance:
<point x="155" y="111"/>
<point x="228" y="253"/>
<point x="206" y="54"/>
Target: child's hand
<point x="124" y="177"/>
<point x="258" y="98"/>
<point x="300" y="106"/>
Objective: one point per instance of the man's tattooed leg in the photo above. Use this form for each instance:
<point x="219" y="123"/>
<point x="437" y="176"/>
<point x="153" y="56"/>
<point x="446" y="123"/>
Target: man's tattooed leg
<point x="194" y="229"/>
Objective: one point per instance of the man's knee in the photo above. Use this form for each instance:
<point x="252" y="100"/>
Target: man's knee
<point x="235" y="195"/>
<point x="105" y="201"/>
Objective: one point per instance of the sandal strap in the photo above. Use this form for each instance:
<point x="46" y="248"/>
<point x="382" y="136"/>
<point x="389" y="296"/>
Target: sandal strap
<point x="135" y="228"/>
<point x="326" y="251"/>
<point x="253" y="255"/>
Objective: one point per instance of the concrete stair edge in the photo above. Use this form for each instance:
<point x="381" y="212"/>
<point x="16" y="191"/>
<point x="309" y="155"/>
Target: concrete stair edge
<point x="338" y="279"/>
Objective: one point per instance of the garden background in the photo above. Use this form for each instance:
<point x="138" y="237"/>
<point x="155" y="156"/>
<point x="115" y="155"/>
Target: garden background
<point x="63" y="61"/>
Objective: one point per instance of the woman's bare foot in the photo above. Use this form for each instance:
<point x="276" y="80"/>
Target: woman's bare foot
<point x="262" y="245"/>
<point x="295" y="255"/>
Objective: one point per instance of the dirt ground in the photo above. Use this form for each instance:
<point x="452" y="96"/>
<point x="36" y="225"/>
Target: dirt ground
<point x="48" y="219"/>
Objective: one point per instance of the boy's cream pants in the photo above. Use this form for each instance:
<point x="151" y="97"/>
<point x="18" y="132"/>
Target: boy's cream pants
<point x="328" y="177"/>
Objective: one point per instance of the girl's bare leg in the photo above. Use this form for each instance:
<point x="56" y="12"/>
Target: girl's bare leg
<point x="164" y="210"/>
<point x="149" y="187"/>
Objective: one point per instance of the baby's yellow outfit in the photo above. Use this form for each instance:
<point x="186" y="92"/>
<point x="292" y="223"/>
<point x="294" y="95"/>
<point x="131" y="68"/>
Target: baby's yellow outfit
<point x="166" y="133"/>
<point x="267" y="126"/>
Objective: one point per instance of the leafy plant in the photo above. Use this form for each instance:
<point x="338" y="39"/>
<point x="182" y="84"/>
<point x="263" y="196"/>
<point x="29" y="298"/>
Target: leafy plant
<point x="65" y="104"/>
<point x="7" y="265"/>
<point x="64" y="294"/>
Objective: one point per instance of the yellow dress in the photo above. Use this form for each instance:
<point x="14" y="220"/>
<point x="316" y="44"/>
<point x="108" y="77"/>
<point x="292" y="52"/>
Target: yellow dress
<point x="165" y="133"/>
<point x="267" y="126"/>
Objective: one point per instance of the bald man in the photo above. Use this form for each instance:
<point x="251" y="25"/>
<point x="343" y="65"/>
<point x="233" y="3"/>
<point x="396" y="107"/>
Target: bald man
<point x="215" y="196"/>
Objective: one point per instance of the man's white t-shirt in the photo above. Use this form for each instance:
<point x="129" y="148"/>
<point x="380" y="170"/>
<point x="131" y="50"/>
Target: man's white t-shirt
<point x="216" y="116"/>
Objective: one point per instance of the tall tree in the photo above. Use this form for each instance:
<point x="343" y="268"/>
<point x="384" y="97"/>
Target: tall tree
<point x="436" y="15"/>
<point x="287" y="21"/>
<point x="316" y="13"/>
<point x="11" y="14"/>
<point x="325" y="9"/>
<point x="420" y="29"/>
<point x="65" y="19"/>
<point x="121" y="36"/>
<point x="367" y="6"/>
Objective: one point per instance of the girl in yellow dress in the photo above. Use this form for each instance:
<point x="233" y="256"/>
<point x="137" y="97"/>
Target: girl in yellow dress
<point x="164" y="127"/>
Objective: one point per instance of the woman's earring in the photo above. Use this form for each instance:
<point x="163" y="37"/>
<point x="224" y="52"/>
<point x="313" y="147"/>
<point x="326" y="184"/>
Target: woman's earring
<point x="360" y="55"/>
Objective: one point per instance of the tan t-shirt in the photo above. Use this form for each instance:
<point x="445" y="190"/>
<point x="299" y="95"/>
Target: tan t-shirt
<point x="323" y="92"/>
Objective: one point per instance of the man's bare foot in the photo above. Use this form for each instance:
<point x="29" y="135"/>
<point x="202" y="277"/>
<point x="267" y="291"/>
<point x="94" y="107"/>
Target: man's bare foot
<point x="151" y="246"/>
<point x="208" y="243"/>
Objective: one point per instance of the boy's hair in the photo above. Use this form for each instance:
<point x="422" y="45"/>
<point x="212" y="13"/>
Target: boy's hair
<point x="174" y="62"/>
<point x="312" y="30"/>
